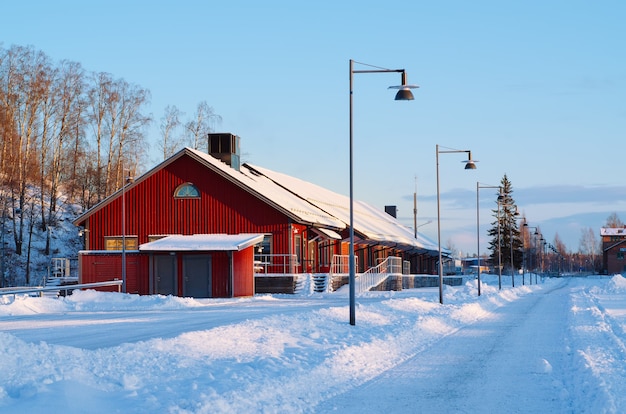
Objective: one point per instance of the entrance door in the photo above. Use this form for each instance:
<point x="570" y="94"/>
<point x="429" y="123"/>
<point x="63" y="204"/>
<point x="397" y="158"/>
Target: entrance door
<point x="197" y="276"/>
<point x="165" y="275"/>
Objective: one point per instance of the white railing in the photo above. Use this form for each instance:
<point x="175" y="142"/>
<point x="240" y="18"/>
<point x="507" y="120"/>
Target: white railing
<point x="59" y="267"/>
<point x="376" y="275"/>
<point x="276" y="263"/>
<point x="340" y="264"/>
<point x="339" y="267"/>
<point x="41" y="289"/>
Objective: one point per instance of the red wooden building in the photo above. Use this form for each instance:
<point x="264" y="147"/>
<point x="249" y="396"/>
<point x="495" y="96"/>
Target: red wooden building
<point x="193" y="224"/>
<point x="613" y="250"/>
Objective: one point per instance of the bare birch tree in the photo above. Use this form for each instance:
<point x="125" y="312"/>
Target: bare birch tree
<point x="170" y="122"/>
<point x="98" y="101"/>
<point x="61" y="113"/>
<point x="130" y="131"/>
<point x="559" y="245"/>
<point x="589" y="245"/>
<point x="27" y="84"/>
<point x="62" y="132"/>
<point x="203" y="123"/>
<point x="613" y="221"/>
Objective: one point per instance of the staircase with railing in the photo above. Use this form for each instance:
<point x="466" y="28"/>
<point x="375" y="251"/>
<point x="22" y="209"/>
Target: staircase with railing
<point x="278" y="267"/>
<point x="373" y="277"/>
<point x="378" y="274"/>
<point x="339" y="272"/>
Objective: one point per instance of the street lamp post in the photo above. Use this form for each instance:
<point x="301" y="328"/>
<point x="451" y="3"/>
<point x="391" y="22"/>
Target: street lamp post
<point x="537" y="240"/>
<point x="510" y="219"/>
<point x="478" y="187"/>
<point x="511" y="223"/>
<point x="543" y="255"/>
<point x="404" y="94"/>
<point x="123" y="237"/>
<point x="536" y="233"/>
<point x="126" y="181"/>
<point x="499" y="245"/>
<point x="523" y="253"/>
<point x="469" y="165"/>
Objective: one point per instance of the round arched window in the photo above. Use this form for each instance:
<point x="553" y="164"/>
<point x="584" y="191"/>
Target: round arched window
<point x="186" y="190"/>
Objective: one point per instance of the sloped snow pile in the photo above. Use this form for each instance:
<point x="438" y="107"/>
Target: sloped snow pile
<point x="617" y="284"/>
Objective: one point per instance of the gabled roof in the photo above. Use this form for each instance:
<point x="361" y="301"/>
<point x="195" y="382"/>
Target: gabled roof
<point x="288" y="203"/>
<point x="281" y="199"/>
<point x="304" y="202"/>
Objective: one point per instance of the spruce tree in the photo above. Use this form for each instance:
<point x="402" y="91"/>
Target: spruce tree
<point x="505" y="230"/>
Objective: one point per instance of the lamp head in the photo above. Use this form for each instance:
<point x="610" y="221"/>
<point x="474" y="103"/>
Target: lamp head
<point x="404" y="90"/>
<point x="469" y="163"/>
<point x="404" y="95"/>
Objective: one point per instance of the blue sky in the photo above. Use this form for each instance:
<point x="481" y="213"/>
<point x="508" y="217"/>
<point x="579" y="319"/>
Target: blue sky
<point x="535" y="89"/>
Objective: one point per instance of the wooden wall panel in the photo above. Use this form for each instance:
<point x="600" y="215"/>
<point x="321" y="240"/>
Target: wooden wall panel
<point x="151" y="208"/>
<point x="244" y="277"/>
<point x="220" y="275"/>
<point x="105" y="267"/>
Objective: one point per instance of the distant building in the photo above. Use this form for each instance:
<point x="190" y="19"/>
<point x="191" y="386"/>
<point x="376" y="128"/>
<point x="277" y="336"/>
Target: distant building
<point x="613" y="250"/>
<point x="169" y="228"/>
<point x="470" y="265"/>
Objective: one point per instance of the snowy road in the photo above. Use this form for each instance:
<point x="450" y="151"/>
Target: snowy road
<point x="553" y="347"/>
<point x="96" y="330"/>
<point x="479" y="367"/>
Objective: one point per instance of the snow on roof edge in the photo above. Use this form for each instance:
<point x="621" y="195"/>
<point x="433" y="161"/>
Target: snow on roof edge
<point x="204" y="242"/>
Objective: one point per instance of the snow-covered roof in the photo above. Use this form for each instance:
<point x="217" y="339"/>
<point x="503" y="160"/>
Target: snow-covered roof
<point x="370" y="224"/>
<point x="203" y="242"/>
<point x="327" y="233"/>
<point x="275" y="195"/>
<point x="613" y="231"/>
<point x="305" y="203"/>
<point x="283" y="200"/>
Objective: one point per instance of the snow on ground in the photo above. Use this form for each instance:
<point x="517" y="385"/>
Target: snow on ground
<point x="103" y="352"/>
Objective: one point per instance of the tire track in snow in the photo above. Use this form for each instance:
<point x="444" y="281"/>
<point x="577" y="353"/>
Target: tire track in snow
<point x="501" y="363"/>
<point x="603" y="362"/>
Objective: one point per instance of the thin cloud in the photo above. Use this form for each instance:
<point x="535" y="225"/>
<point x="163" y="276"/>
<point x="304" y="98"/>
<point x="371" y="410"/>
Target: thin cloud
<point x="558" y="194"/>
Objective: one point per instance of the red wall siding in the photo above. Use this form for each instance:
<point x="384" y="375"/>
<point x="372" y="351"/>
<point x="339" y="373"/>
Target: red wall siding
<point x="97" y="267"/>
<point x="222" y="208"/>
<point x="220" y="275"/>
<point x="613" y="263"/>
<point x="105" y="267"/>
<point x="244" y="275"/>
<point x="151" y="208"/>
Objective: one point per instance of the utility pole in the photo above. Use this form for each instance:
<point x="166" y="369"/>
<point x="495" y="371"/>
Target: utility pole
<point x="415" y="208"/>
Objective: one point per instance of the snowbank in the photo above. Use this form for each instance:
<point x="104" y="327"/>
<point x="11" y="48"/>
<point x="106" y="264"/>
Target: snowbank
<point x="111" y="352"/>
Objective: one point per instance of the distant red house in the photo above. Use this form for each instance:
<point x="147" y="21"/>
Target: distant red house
<point x="613" y="250"/>
<point x="193" y="225"/>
